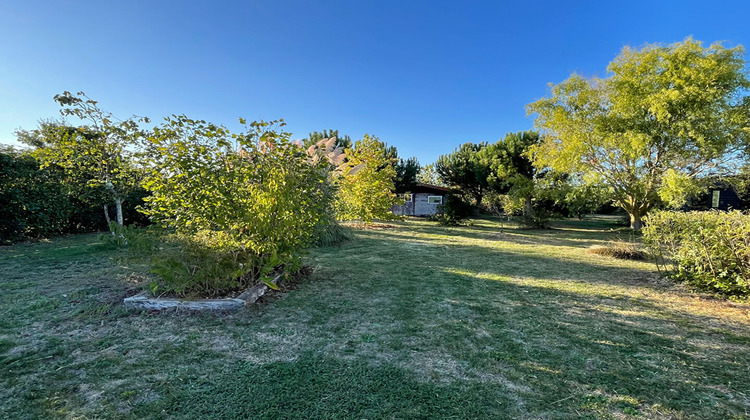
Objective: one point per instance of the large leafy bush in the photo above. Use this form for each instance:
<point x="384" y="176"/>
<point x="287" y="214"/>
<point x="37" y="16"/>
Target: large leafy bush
<point x="708" y="249"/>
<point x="366" y="183"/>
<point x="240" y="204"/>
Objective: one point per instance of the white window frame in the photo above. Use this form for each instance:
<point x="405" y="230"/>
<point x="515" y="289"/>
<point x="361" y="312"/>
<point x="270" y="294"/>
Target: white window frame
<point x="430" y="197"/>
<point x="410" y="196"/>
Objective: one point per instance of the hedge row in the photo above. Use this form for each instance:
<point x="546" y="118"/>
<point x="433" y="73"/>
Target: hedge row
<point x="41" y="203"/>
<point x="708" y="249"/>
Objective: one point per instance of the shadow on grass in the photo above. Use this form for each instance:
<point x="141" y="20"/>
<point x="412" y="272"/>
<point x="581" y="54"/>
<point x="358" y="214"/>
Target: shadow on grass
<point x="478" y="333"/>
<point x="564" y="328"/>
<point x="573" y="233"/>
<point x="529" y="262"/>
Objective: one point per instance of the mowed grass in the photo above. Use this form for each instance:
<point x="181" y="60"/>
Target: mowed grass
<point x="416" y="321"/>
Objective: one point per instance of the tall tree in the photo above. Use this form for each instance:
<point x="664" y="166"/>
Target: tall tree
<point x="665" y="115"/>
<point x="428" y="175"/>
<point x="741" y="184"/>
<point x="465" y="170"/>
<point x="366" y="186"/>
<point x="406" y="175"/>
<point x="99" y="149"/>
<point x="510" y="169"/>
<point x="343" y="141"/>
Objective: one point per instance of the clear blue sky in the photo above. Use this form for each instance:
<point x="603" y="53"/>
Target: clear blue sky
<point x="423" y="76"/>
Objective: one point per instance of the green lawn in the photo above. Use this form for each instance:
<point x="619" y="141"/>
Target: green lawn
<point x="415" y="321"/>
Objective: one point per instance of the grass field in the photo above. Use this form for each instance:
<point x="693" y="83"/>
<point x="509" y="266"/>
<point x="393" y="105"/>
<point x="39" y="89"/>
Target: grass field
<point x="416" y="321"/>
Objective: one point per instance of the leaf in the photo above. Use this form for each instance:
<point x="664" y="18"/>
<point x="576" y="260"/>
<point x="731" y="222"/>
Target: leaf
<point x="271" y="284"/>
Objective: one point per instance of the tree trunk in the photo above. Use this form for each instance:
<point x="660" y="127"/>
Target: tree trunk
<point x="106" y="214"/>
<point x="636" y="222"/>
<point x="118" y="203"/>
<point x="527" y="207"/>
<point x="478" y="197"/>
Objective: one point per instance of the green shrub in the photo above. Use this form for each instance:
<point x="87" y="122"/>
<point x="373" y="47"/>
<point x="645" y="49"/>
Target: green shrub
<point x="205" y="263"/>
<point x="41" y="202"/>
<point x="239" y="204"/>
<point x="454" y="211"/>
<point x="366" y="183"/>
<point x="708" y="249"/>
<point x="456" y="208"/>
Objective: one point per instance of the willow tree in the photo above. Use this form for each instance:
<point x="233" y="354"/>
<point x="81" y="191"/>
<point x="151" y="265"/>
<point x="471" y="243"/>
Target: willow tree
<point x="664" y="115"/>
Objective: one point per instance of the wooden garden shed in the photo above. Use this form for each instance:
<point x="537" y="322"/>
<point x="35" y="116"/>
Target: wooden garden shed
<point x="423" y="200"/>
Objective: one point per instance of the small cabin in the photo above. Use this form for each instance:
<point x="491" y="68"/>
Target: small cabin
<point x="718" y="196"/>
<point x="423" y="200"/>
<point x="723" y="197"/>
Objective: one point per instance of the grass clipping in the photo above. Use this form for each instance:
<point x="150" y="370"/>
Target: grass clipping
<point x="619" y="249"/>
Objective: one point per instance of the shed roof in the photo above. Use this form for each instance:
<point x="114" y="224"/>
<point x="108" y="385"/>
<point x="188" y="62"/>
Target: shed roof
<point x="427" y="188"/>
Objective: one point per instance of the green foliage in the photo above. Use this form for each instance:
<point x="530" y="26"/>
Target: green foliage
<point x="741" y="185"/>
<point x="205" y="263"/>
<point x="509" y="169"/>
<point x="406" y="175"/>
<point x="366" y="185"/>
<point x="343" y="141"/>
<point x="454" y="210"/>
<point x="509" y="157"/>
<point x="428" y="175"/>
<point x="249" y="201"/>
<point x="97" y="152"/>
<point x="681" y="107"/>
<point x="332" y="233"/>
<point x="33" y="200"/>
<point x="710" y="250"/>
<point x="540" y="218"/>
<point x="465" y="170"/>
<point x="677" y="188"/>
<point x="328" y="231"/>
<point x="584" y="198"/>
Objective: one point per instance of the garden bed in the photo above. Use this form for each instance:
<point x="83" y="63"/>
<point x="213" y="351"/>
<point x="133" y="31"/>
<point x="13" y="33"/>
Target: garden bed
<point x="142" y="301"/>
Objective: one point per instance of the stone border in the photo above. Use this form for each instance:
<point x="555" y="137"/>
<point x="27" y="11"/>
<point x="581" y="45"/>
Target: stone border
<point x="141" y="301"/>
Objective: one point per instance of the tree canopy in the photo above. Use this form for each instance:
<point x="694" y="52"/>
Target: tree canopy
<point x="465" y="170"/>
<point x="406" y="174"/>
<point x="428" y="175"/>
<point x="664" y="115"/>
<point x="343" y="141"/>
<point x="366" y="185"/>
<point x="99" y="149"/>
<point x="509" y="169"/>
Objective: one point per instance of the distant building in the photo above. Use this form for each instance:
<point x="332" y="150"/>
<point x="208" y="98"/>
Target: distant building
<point x="723" y="198"/>
<point x="423" y="200"/>
<point x="718" y="196"/>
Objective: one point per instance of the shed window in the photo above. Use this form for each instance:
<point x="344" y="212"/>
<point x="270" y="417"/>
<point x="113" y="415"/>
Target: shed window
<point x="407" y="198"/>
<point x="435" y="199"/>
<point x="715" y="199"/>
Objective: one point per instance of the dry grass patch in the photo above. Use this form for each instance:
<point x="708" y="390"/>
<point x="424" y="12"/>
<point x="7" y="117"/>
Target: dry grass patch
<point x="619" y="249"/>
